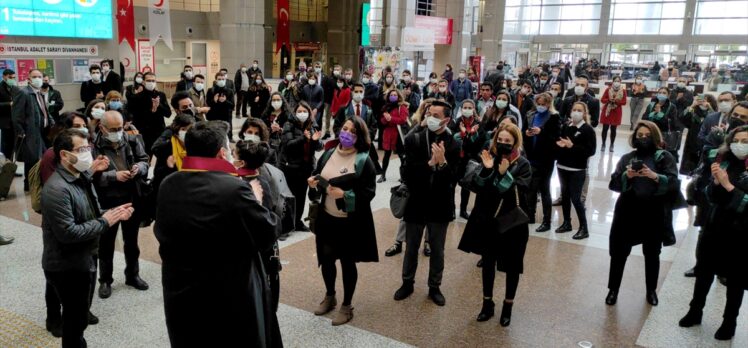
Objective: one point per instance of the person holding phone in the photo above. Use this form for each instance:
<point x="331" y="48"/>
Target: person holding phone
<point x="644" y="178"/>
<point x="501" y="184"/>
<point x="345" y="181"/>
<point x="221" y="102"/>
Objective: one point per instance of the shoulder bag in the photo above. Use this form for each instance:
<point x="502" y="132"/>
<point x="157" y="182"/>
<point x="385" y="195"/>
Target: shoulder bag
<point x="512" y="218"/>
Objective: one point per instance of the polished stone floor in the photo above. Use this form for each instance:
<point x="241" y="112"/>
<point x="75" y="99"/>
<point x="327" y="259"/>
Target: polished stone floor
<point x="560" y="300"/>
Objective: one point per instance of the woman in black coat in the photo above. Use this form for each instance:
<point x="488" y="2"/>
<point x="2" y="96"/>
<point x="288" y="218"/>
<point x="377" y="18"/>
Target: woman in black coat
<point x="646" y="178"/>
<point x="723" y="243"/>
<point x="692" y="118"/>
<point x="467" y="131"/>
<point x="497" y="112"/>
<point x="664" y="114"/>
<point x="344" y="227"/>
<point x="501" y="185"/>
<point x="258" y="96"/>
<point x="299" y="142"/>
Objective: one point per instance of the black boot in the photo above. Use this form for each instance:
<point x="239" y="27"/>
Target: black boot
<point x="394" y="249"/>
<point x="726" y="331"/>
<point x="693" y="317"/>
<point x="582" y="233"/>
<point x="652" y="298"/>
<point x="405" y="290"/>
<point x="565" y="227"/>
<point x="690" y="273"/>
<point x="612" y="297"/>
<point x="92" y="319"/>
<point x="137" y="283"/>
<point x="506" y="314"/>
<point x="54" y="326"/>
<point x="487" y="311"/>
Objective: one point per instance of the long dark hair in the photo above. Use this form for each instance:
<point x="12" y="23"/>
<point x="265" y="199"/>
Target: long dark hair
<point x="725" y="147"/>
<point x="269" y="107"/>
<point x="363" y="141"/>
<point x="309" y="122"/>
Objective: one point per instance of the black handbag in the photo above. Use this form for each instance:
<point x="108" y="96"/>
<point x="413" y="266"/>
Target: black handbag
<point x="471" y="170"/>
<point x="399" y="200"/>
<point x="513" y="218"/>
<point x="313" y="214"/>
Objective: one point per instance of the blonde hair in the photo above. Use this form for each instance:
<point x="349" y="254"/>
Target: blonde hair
<point x="112" y="95"/>
<point x="549" y="98"/>
<point x="417" y="117"/>
<point x="586" y="111"/>
<point x="513" y="130"/>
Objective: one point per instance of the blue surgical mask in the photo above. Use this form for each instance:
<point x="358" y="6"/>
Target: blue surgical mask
<point x="115" y="105"/>
<point x="541" y="108"/>
<point x="661" y="98"/>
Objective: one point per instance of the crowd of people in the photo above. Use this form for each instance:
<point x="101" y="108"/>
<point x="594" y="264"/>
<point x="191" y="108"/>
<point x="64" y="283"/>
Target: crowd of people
<point x="314" y="142"/>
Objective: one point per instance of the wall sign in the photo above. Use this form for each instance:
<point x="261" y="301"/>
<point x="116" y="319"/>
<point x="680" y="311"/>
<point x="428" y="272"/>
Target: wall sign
<point x="417" y="39"/>
<point x="440" y="26"/>
<point x="45" y="50"/>
<point x="146" y="56"/>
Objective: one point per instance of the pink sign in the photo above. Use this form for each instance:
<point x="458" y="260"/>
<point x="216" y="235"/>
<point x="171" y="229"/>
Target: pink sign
<point x="442" y="28"/>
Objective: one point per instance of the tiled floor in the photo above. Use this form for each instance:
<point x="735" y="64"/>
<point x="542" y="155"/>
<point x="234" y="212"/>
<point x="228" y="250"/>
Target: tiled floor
<point x="559" y="302"/>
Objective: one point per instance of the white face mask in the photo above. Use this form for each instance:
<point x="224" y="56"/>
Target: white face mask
<point x="442" y="89"/>
<point x="467" y="112"/>
<point x="681" y="85"/>
<point x="243" y="69"/>
<point x="97" y="113"/>
<point x="96" y="77"/>
<point x="525" y="90"/>
<point x="83" y="130"/>
<point x="637" y="81"/>
<point x="336" y="73"/>
<point x="84" y="161"/>
<point x="554" y="93"/>
<point x="302" y="116"/>
<point x="501" y="103"/>
<point x="114" y="137"/>
<point x="577" y="116"/>
<point x="312" y="82"/>
<point x="289" y="77"/>
<point x="433" y="123"/>
<point x="37" y="82"/>
<point x="434" y="81"/>
<point x="317" y="70"/>
<point x="340" y="85"/>
<point x="150" y="85"/>
<point x="406" y="79"/>
<point x="259" y="82"/>
<point x="616" y="85"/>
<point x="579" y="91"/>
<point x="365" y="80"/>
<point x="704" y="107"/>
<point x="276" y="104"/>
<point x="388" y="80"/>
<point x="462" y="76"/>
<point x="105" y="68"/>
<point x="358" y="97"/>
<point x="253" y="138"/>
<point x="138" y="80"/>
<point x="221" y="83"/>
<point x="188" y="75"/>
<point x="199" y="86"/>
<point x="725" y="106"/>
<point x="181" y="135"/>
<point x="254" y="66"/>
<point x="739" y="150"/>
<point x="348" y="77"/>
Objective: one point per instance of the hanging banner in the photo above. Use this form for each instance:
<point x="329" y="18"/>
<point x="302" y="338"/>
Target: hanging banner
<point x="36" y="50"/>
<point x="159" y="22"/>
<point x="440" y="26"/>
<point x="282" y="27"/>
<point x="146" y="56"/>
<point x="417" y="39"/>
<point x="126" y="23"/>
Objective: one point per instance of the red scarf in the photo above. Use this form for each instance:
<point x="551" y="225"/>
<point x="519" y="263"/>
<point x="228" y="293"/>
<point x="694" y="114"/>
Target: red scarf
<point x="206" y="164"/>
<point x="244" y="172"/>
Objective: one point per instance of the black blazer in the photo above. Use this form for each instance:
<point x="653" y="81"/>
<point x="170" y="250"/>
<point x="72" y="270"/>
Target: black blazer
<point x="6" y="98"/>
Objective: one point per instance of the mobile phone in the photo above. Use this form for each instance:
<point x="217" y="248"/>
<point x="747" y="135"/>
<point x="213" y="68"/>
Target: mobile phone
<point x="323" y="184"/>
<point x="637" y="165"/>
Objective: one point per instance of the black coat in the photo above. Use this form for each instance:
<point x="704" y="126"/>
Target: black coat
<point x="481" y="234"/>
<point x="315" y="97"/>
<point x="681" y="104"/>
<point x="256" y="107"/>
<point x="668" y="121"/>
<point x="28" y="121"/>
<point x="294" y="154"/>
<point x="585" y="144"/>
<point x="431" y="195"/>
<point x="113" y="82"/>
<point x="359" y="243"/>
<point x="692" y="120"/>
<point x="150" y="124"/>
<point x="89" y="89"/>
<point x="541" y="148"/>
<point x="162" y="149"/>
<point x="641" y="211"/>
<point x="6" y="98"/>
<point x="220" y="111"/>
<point x="54" y="104"/>
<point x="205" y="279"/>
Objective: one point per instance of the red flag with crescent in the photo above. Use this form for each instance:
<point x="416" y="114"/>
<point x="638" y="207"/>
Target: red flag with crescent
<point x="282" y="33"/>
<point x="126" y="22"/>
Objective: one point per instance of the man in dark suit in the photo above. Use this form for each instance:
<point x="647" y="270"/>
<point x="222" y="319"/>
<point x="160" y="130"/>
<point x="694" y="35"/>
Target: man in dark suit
<point x="54" y="99"/>
<point x="220" y="99"/>
<point x="149" y="108"/>
<point x="30" y="120"/>
<point x="581" y="93"/>
<point x="221" y="277"/>
<point x="8" y="89"/>
<point x="93" y="88"/>
<point x="112" y="80"/>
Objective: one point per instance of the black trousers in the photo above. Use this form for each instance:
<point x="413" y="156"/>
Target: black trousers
<point x="651" y="265"/>
<point x="464" y="199"/>
<point x="53" y="301"/>
<point x="572" y="183"/>
<point x="296" y="179"/>
<point x="73" y="288"/>
<point x="540" y="183"/>
<point x="374" y="155"/>
<point x="130" y="230"/>
<point x="701" y="288"/>
<point x="488" y="271"/>
<point x="7" y="144"/>
<point x="241" y="102"/>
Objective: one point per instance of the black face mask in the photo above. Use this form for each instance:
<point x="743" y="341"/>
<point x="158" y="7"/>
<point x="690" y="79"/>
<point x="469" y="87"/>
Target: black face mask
<point x="45" y="85"/>
<point x="644" y="145"/>
<point x="734" y="123"/>
<point x="503" y="149"/>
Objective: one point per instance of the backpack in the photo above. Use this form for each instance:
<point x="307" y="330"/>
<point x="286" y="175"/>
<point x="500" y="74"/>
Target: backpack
<point x="35" y="187"/>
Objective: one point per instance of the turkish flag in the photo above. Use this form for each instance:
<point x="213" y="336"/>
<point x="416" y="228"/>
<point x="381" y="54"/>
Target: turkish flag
<point x="126" y="22"/>
<point x="282" y="32"/>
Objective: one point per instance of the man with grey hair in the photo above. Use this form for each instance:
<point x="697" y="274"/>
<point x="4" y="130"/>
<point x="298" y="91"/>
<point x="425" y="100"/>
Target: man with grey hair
<point x="119" y="184"/>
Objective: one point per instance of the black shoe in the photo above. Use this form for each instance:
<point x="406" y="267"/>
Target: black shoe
<point x="92" y="319"/>
<point x="565" y="227"/>
<point x="602" y="148"/>
<point x="582" y="233"/>
<point x="405" y="290"/>
<point x="479" y="264"/>
<point x="6" y="240"/>
<point x="726" y="331"/>
<point x="544" y="227"/>
<point x="284" y="236"/>
<point x="394" y="249"/>
<point x="54" y="326"/>
<point x="652" y="298"/>
<point x="464" y="215"/>
<point x="300" y="227"/>
<point x="690" y="273"/>
<point x="722" y="280"/>
<point x="611" y="149"/>
<point x="137" y="282"/>
<point x="693" y="317"/>
<point x="436" y="295"/>
<point x="381" y="179"/>
<point x="557" y="202"/>
<point x="612" y="297"/>
<point x="487" y="311"/>
<point x="105" y="290"/>
<point x="506" y="314"/>
<point x="426" y="249"/>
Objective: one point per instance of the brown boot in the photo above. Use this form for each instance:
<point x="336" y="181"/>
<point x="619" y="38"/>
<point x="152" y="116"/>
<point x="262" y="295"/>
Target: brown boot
<point x="345" y="314"/>
<point x="326" y="305"/>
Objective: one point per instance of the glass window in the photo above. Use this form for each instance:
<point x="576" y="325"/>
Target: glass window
<point x="647" y="17"/>
<point x="552" y="17"/>
<point x="721" y="17"/>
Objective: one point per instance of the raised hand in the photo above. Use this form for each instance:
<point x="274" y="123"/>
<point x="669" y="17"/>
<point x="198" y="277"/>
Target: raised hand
<point x="487" y="159"/>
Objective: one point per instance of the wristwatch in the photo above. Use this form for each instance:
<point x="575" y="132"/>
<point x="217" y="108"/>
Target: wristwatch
<point x="442" y="165"/>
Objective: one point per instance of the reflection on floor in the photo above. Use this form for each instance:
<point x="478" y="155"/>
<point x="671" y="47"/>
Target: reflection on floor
<point x="559" y="302"/>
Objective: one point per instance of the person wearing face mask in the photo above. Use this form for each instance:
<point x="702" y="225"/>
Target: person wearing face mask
<point x="199" y="98"/>
<point x="299" y="142"/>
<point x="442" y="93"/>
<point x="556" y="90"/>
<point x="94" y="112"/>
<point x="500" y="186"/>
<point x="54" y="100"/>
<point x="187" y="79"/>
<point x="8" y="90"/>
<point x="720" y="77"/>
<point x="664" y="114"/>
<point x="681" y="97"/>
<point x="718" y="120"/>
<point x="115" y="186"/>
<point x="221" y="103"/>
<point x="136" y="86"/>
<point x="112" y="80"/>
<point x="288" y="78"/>
<point x="329" y="85"/>
<point x="258" y="95"/>
<point x="428" y="89"/>
<point x="254" y="68"/>
<point x="613" y="101"/>
<point x="149" y="109"/>
<point x="341" y="98"/>
<point x="314" y="95"/>
<point x="666" y="73"/>
<point x="430" y="174"/>
<point x="254" y="130"/>
<point x="637" y="95"/>
<point x="467" y="131"/>
<point x="692" y="119"/>
<point x="581" y="92"/>
<point x="31" y="121"/>
<point x="344" y="227"/>
<point x="448" y="74"/>
<point x="72" y="223"/>
<point x="540" y="84"/>
<point x="93" y="88"/>
<point x="170" y="150"/>
<point x="243" y="79"/>
<point x="522" y="97"/>
<point x="501" y="109"/>
<point x="394" y="114"/>
<point x="358" y="107"/>
<point x="645" y="178"/>
<point x="187" y="212"/>
<point x="576" y="145"/>
<point x="722" y="245"/>
<point x="276" y="114"/>
<point x="542" y="131"/>
<point x="461" y="88"/>
<point x="410" y="91"/>
<point x="371" y="90"/>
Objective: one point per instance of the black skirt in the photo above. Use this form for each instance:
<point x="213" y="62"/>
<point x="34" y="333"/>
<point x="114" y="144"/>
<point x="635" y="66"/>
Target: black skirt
<point x="335" y="237"/>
